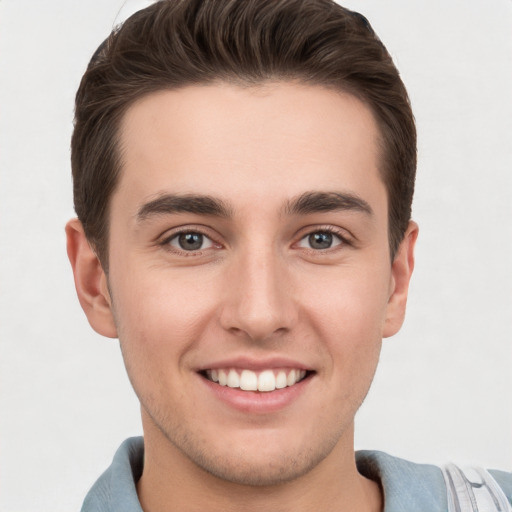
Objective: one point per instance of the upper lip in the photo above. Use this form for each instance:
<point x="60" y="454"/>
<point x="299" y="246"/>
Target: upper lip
<point x="255" y="364"/>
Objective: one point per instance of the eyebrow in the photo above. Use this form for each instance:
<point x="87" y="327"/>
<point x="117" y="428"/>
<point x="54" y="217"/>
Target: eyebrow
<point x="316" y="202"/>
<point x="183" y="203"/>
<point x="307" y="203"/>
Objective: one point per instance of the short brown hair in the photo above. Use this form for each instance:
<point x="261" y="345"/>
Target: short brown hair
<point x="175" y="43"/>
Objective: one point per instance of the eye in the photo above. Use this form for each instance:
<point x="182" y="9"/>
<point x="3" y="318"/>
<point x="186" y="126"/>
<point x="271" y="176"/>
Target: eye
<point x="320" y="240"/>
<point x="190" y="241"/>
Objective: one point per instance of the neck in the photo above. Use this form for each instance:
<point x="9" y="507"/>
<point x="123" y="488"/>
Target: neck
<point x="172" y="482"/>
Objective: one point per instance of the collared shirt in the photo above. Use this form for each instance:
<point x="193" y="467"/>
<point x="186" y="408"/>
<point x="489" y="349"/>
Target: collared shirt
<point x="407" y="487"/>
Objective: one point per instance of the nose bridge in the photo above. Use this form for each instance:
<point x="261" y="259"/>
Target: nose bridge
<point x="260" y="302"/>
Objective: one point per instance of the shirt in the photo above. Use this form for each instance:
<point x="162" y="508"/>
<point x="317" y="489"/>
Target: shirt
<point x="407" y="487"/>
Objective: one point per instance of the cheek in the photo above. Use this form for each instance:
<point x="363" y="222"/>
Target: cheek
<point x="158" y="316"/>
<point x="158" y="325"/>
<point x="348" y="312"/>
<point x="349" y="298"/>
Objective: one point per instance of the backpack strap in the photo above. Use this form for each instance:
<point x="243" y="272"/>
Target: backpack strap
<point x="473" y="490"/>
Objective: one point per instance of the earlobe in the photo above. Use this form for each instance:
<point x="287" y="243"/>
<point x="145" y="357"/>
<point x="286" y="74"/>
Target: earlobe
<point x="401" y="272"/>
<point x="90" y="281"/>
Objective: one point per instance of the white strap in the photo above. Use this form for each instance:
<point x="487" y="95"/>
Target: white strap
<point x="473" y="490"/>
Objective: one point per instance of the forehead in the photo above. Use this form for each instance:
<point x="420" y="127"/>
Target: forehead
<point x="234" y="142"/>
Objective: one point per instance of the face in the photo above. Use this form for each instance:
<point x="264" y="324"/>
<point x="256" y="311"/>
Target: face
<point x="249" y="274"/>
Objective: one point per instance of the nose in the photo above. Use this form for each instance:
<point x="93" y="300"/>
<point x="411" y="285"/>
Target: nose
<point x="259" y="302"/>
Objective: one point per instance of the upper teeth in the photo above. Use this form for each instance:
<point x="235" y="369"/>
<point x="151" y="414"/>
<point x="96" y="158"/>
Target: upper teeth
<point x="267" y="380"/>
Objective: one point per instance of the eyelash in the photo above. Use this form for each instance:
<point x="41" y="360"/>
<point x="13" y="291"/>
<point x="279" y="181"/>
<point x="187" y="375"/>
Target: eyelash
<point x="166" y="242"/>
<point x="338" y="233"/>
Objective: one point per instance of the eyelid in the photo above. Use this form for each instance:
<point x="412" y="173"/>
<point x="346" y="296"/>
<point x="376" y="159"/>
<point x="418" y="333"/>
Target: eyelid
<point x="345" y="237"/>
<point x="167" y="236"/>
<point x="341" y="233"/>
<point x="176" y="238"/>
<point x="305" y="240"/>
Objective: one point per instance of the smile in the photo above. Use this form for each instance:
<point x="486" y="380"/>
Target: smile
<point x="248" y="380"/>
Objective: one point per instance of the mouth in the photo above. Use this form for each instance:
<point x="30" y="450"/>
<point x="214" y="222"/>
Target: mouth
<point x="248" y="380"/>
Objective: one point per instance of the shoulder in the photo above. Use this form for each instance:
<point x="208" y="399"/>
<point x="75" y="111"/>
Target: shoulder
<point x="504" y="480"/>
<point x="116" y="489"/>
<point x="412" y="487"/>
<point x="407" y="487"/>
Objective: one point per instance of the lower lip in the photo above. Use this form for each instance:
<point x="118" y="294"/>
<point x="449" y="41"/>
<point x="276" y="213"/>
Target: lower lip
<point x="257" y="402"/>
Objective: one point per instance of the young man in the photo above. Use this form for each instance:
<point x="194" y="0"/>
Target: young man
<point x="243" y="177"/>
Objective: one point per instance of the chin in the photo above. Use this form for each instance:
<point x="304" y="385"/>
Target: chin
<point x="257" y="460"/>
<point x="258" y="472"/>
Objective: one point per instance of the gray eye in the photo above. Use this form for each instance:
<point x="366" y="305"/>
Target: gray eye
<point x="191" y="241"/>
<point x="320" y="240"/>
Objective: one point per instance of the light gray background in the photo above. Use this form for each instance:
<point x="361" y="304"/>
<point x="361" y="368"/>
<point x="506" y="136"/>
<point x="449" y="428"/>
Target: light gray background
<point x="443" y="388"/>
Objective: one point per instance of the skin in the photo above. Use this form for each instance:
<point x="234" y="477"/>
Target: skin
<point x="257" y="289"/>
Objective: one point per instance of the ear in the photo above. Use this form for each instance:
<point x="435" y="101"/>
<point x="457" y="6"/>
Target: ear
<point x="90" y="281"/>
<point x="401" y="271"/>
